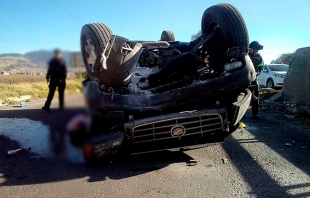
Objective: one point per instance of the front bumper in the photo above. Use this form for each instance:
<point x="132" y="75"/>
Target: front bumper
<point x="189" y="129"/>
<point x="278" y="82"/>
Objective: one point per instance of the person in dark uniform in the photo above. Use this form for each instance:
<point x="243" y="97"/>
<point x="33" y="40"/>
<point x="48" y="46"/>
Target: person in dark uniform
<point x="56" y="77"/>
<point x="258" y="63"/>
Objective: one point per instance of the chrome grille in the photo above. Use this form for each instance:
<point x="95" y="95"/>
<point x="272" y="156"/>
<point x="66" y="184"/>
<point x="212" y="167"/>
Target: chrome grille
<point x="161" y="130"/>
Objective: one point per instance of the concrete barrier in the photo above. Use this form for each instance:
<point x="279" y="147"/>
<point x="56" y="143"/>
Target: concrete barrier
<point x="297" y="81"/>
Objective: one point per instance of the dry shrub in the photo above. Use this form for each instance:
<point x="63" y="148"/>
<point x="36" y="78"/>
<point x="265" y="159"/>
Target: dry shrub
<point x="36" y="86"/>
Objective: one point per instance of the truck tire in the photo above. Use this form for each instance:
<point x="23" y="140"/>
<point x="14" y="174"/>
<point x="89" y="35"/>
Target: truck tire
<point x="167" y="35"/>
<point x="94" y="37"/>
<point x="270" y="83"/>
<point x="227" y="20"/>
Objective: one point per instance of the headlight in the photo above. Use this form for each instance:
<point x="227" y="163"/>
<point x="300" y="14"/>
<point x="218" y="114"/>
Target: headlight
<point x="279" y="75"/>
<point x="232" y="66"/>
<point x="102" y="146"/>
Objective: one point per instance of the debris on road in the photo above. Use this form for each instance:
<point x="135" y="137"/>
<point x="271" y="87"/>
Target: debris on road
<point x="14" y="152"/>
<point x="276" y="96"/>
<point x="267" y="93"/>
<point x="192" y="162"/>
<point x="22" y="104"/>
<point x="288" y="144"/>
<point x="290" y="117"/>
<point x="242" y="125"/>
<point x="224" y="160"/>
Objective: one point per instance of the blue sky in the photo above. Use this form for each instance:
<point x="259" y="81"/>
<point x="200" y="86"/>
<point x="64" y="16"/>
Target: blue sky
<point x="26" y="25"/>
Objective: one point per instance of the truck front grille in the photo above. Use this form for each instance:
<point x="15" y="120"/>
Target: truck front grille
<point x="153" y="132"/>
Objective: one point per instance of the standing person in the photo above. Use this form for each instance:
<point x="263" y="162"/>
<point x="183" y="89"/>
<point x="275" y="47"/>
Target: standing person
<point x="56" y="77"/>
<point x="258" y="63"/>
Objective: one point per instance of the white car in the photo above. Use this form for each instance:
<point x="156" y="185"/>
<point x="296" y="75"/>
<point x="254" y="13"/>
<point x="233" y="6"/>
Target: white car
<point x="272" y="75"/>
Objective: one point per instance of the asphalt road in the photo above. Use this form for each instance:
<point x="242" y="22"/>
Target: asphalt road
<point x="252" y="162"/>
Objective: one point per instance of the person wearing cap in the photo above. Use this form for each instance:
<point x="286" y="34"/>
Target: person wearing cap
<point x="258" y="63"/>
<point x="256" y="58"/>
<point x="56" y="77"/>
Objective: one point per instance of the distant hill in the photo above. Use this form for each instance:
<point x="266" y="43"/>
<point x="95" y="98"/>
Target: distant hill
<point x="19" y="64"/>
<point x="11" y="55"/>
<point x="34" y="61"/>
<point x="41" y="57"/>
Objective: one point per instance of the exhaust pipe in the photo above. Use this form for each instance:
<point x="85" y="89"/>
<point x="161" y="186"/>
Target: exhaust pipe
<point x="157" y="43"/>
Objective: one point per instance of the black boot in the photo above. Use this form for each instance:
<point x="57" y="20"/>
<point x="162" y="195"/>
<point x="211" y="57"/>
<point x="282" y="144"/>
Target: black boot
<point x="46" y="109"/>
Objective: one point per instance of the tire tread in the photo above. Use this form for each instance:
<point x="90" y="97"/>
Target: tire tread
<point x="168" y="35"/>
<point x="231" y="20"/>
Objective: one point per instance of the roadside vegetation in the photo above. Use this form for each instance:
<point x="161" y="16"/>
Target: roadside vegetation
<point x="36" y="86"/>
<point x="265" y="95"/>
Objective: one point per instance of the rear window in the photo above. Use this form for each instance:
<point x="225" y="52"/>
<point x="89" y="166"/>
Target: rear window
<point x="278" y="67"/>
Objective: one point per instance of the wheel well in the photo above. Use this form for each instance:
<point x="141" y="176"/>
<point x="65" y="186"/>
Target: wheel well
<point x="269" y="79"/>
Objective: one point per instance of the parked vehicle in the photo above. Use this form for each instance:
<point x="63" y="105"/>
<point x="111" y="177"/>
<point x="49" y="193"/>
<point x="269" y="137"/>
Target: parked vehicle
<point x="273" y="75"/>
<point x="144" y="96"/>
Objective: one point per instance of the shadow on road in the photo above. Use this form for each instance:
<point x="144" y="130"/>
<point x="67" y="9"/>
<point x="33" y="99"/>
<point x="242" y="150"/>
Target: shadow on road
<point x="28" y="168"/>
<point x="274" y="133"/>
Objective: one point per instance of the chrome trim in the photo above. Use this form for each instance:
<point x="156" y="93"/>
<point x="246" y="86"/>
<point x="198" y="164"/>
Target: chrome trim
<point x="198" y="122"/>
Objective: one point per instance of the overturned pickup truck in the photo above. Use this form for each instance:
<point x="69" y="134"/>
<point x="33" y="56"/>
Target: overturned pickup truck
<point x="144" y="96"/>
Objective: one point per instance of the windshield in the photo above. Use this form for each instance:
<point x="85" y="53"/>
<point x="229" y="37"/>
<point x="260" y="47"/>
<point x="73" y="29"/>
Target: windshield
<point x="278" y="67"/>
